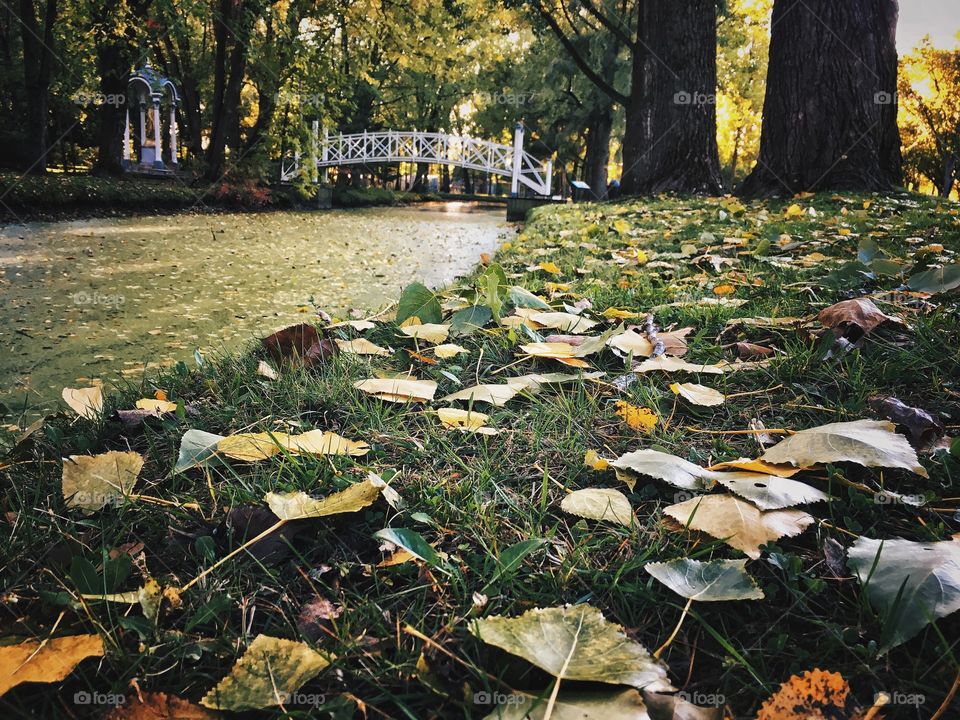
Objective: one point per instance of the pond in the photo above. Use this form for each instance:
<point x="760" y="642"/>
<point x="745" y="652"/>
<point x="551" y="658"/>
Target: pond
<point x="103" y="299"/>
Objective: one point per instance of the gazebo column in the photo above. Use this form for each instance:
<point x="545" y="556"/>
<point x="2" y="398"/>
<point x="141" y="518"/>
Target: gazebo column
<point x="143" y="131"/>
<point x="126" y="140"/>
<point x="173" y="135"/>
<point x="158" y="146"/>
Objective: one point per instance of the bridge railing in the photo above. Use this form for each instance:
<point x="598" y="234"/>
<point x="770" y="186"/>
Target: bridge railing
<point x="389" y="146"/>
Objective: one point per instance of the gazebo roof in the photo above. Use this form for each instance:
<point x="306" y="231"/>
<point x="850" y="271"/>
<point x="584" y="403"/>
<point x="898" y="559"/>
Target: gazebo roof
<point x="156" y="82"/>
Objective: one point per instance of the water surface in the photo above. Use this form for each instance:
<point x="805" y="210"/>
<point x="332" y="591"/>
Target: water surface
<point x="105" y="298"/>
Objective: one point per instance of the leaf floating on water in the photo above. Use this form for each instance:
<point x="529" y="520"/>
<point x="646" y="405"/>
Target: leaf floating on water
<point x="769" y="492"/>
<point x="710" y="581"/>
<point x="85" y="402"/>
<point x="573" y="642"/>
<point x="268" y="673"/>
<point x="698" y="394"/>
<point x="298" y="505"/>
<point x="872" y="443"/>
<point x="911" y="583"/>
<point x="92" y="481"/>
<point x="45" y="662"/>
<point x="398" y="390"/>
<point x="599" y="504"/>
<point x="738" y="523"/>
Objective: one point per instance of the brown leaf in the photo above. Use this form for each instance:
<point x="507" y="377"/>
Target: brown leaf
<point x="314" y="618"/>
<point x="160" y="706"/>
<point x="920" y="426"/>
<point x="291" y="343"/>
<point x="48" y="662"/>
<point x="750" y="351"/>
<point x="852" y="319"/>
<point x="814" y="695"/>
<point x="320" y="352"/>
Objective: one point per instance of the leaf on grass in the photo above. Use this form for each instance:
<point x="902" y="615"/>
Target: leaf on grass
<point x="549" y="267"/>
<point x="85" y="402"/>
<point x="854" y="318"/>
<point x="324" y="442"/>
<point x="912" y="583"/>
<point x="412" y="542"/>
<point x="291" y="343"/>
<point x="92" y="481"/>
<point x="769" y="492"/>
<point x="698" y="394"/>
<point x="635" y="341"/>
<point x="467" y="420"/>
<point x="872" y="443"/>
<point x="573" y="642"/>
<point x="812" y="695"/>
<point x="251" y="447"/>
<point x="499" y="395"/>
<point x="936" y="280"/>
<point x="268" y="673"/>
<point x="523" y="298"/>
<point x="156" y="406"/>
<point x="757" y="466"/>
<point x="618" y="705"/>
<point x="45" y="662"/>
<point x="148" y="597"/>
<point x="738" y="523"/>
<point x="663" y="466"/>
<point x="666" y="363"/>
<point x="430" y="332"/>
<point x="593" y="461"/>
<point x="469" y="320"/>
<point x="565" y="322"/>
<point x="159" y="706"/>
<point x="599" y="504"/>
<point x="922" y="427"/>
<point x="640" y="419"/>
<point x="417" y="300"/>
<point x="398" y="390"/>
<point x="298" y="505"/>
<point x="709" y="581"/>
<point x="674" y="707"/>
<point x="264" y="370"/>
<point x="196" y="448"/>
<point x="362" y="346"/>
<point x="448" y="350"/>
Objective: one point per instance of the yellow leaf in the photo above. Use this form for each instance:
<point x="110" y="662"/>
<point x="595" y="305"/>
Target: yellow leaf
<point x="398" y="390"/>
<point x="92" y="481"/>
<point x="698" y="394"/>
<point x="85" y="402"/>
<point x="362" y="346"/>
<point x="844" y="231"/>
<point x="448" y="351"/>
<point x="251" y="447"/>
<point x="639" y="418"/>
<point x="642" y="258"/>
<point x="794" y="211"/>
<point x="321" y="442"/>
<point x="469" y="420"/>
<point x="430" y="332"/>
<point x="298" y="505"/>
<point x="593" y="461"/>
<point x="160" y="394"/>
<point x="264" y="370"/>
<point x="268" y="673"/>
<point x="45" y="662"/>
<point x="162" y="406"/>
<point x="724" y="290"/>
<point x="549" y="267"/>
<point x="757" y="466"/>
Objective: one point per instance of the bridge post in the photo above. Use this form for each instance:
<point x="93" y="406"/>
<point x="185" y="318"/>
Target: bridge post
<point x="325" y="150"/>
<point x="517" y="158"/>
<point x="314" y="135"/>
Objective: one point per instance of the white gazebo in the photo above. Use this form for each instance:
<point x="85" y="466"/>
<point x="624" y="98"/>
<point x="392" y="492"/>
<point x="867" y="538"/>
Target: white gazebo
<point x="145" y="92"/>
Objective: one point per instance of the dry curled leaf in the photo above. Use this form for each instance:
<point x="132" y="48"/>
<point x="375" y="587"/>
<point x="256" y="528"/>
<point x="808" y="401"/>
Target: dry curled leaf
<point x="398" y="390"/>
<point x="852" y="319"/>
<point x="813" y="695"/>
<point x="47" y="661"/>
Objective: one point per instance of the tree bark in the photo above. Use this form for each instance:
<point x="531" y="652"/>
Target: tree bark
<point x="37" y="61"/>
<point x="670" y="141"/>
<point x="830" y="111"/>
<point x="597" y="155"/>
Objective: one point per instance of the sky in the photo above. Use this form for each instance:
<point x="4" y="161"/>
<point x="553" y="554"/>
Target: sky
<point x="938" y="18"/>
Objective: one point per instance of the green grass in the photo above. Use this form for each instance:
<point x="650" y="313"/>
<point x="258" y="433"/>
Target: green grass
<point x="473" y="497"/>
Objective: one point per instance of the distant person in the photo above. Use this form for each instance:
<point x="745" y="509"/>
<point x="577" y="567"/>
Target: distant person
<point x="613" y="190"/>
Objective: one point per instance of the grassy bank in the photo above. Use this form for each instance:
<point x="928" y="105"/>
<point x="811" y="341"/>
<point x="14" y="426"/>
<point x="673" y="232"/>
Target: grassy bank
<point x="398" y="634"/>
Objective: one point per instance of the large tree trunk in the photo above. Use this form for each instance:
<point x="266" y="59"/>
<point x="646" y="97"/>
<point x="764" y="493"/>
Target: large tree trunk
<point x="37" y="60"/>
<point x="597" y="155"/>
<point x="113" y="67"/>
<point x="670" y="141"/>
<point x="830" y="111"/>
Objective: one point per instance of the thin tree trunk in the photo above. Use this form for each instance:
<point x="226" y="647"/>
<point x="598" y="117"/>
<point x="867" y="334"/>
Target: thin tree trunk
<point x="597" y="155"/>
<point x="830" y="111"/>
<point x="37" y="60"/>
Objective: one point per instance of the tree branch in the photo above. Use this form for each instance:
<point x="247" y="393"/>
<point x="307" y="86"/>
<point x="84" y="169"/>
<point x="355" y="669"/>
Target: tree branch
<point x="609" y="24"/>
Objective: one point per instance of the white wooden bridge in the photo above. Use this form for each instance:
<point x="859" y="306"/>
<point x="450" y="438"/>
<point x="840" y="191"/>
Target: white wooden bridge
<point x="390" y="146"/>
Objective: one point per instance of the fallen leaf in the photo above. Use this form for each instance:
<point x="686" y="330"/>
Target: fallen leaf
<point x="593" y="461"/>
<point x="667" y="363"/>
<point x="710" y="581"/>
<point x="724" y="290"/>
<point x="324" y="442"/>
<point x="196" y="448"/>
<point x="448" y="350"/>
<point x="573" y="642"/>
<point x="93" y="481"/>
<point x="398" y="390"/>
<point x="266" y="675"/>
<point x="297" y="505"/>
<point x="769" y="492"/>
<point x="599" y="504"/>
<point x="45" y="662"/>
<point x="431" y="332"/>
<point x="264" y="370"/>
<point x="419" y="301"/>
<point x="362" y="346"/>
<point x="911" y="583"/>
<point x="852" y="319"/>
<point x="663" y="466"/>
<point x="616" y="705"/>
<point x="565" y="322"/>
<point x="936" y="280"/>
<point x="251" y="447"/>
<point x="674" y="707"/>
<point x="635" y="341"/>
<point x="757" y="466"/>
<point x="813" y="695"/>
<point x="872" y="443"/>
<point x="698" y="394"/>
<point x="158" y="706"/>
<point x="157" y="406"/>
<point x="638" y="418"/>
<point x="469" y="420"/>
<point x="549" y="267"/>
<point x="496" y="395"/>
<point x="313" y="620"/>
<point x="85" y="402"/>
<point x="922" y="428"/>
<point x="738" y="523"/>
<point x="750" y="351"/>
<point x="291" y="343"/>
